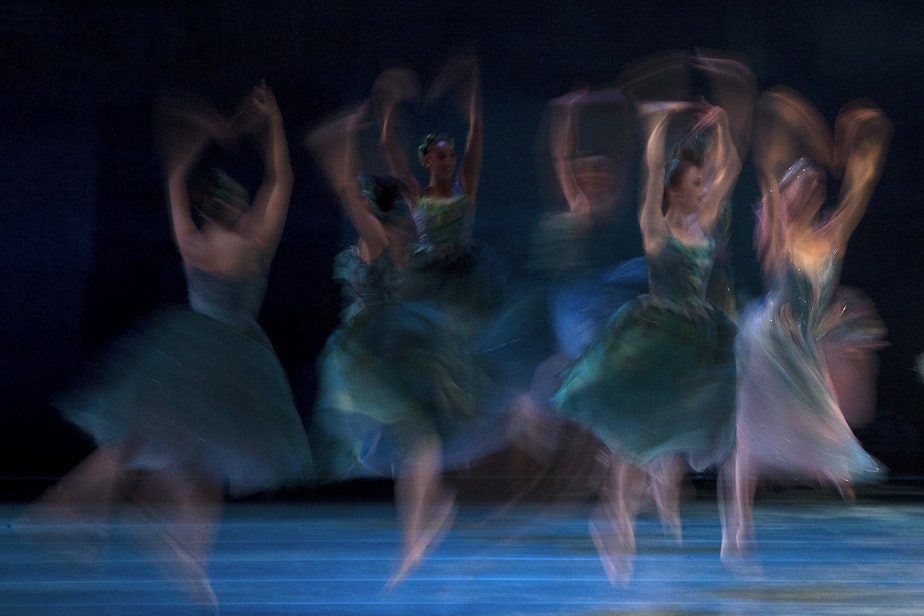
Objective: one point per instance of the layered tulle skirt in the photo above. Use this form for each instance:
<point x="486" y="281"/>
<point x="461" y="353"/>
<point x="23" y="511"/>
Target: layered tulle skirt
<point x="790" y="424"/>
<point x="659" y="380"/>
<point x="469" y="283"/>
<point x="186" y="388"/>
<point x="581" y="304"/>
<point x="391" y="376"/>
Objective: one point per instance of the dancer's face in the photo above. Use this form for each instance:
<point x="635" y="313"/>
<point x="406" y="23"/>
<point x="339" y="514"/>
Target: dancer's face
<point x="690" y="192"/>
<point x="596" y="178"/>
<point x="441" y="161"/>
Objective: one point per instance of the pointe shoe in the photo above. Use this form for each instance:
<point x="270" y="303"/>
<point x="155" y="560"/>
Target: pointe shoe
<point x="412" y="558"/>
<point x="671" y="526"/>
<point x="673" y="531"/>
<point x="204" y="598"/>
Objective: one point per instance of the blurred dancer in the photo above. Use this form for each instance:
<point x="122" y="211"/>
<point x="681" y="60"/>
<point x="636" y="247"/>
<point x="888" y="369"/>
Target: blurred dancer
<point x="599" y="265"/>
<point x="445" y="265"/>
<point x="399" y="392"/>
<point x="790" y="425"/>
<point x="582" y="266"/>
<point x="660" y="380"/>
<point x="733" y="85"/>
<point x="196" y="401"/>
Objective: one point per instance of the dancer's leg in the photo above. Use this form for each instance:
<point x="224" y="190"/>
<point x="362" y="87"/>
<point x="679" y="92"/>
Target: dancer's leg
<point x="667" y="473"/>
<point x="612" y="527"/>
<point x="425" y="506"/>
<point x="72" y="517"/>
<point x="737" y="489"/>
<point x="181" y="507"/>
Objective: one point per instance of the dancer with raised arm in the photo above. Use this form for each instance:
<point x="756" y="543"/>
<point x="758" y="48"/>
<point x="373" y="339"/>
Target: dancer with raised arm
<point x="399" y="388"/>
<point x="196" y="402"/>
<point x="586" y="262"/>
<point x="673" y="335"/>
<point x="446" y="265"/>
<point x="790" y="425"/>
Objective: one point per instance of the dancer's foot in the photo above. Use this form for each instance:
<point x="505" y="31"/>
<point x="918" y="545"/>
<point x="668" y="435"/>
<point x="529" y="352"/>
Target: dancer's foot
<point x="617" y="554"/>
<point x="190" y="574"/>
<point x="671" y="524"/>
<point x="738" y="556"/>
<point x="666" y="478"/>
<point x="443" y="515"/>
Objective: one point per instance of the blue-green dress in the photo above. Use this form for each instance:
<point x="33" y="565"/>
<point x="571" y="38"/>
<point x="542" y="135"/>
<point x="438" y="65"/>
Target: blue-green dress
<point x="660" y="378"/>
<point x="580" y="271"/>
<point x="447" y="267"/>
<point x="393" y="373"/>
<point x="202" y="385"/>
<point x="790" y="425"/>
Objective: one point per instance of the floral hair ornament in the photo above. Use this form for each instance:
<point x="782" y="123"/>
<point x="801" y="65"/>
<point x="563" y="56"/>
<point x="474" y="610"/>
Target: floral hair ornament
<point x="429" y="141"/>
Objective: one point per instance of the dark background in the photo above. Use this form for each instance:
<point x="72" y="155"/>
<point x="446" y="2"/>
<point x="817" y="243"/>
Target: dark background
<point x="85" y="246"/>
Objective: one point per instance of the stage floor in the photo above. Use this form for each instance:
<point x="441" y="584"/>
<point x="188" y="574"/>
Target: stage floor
<point x="816" y="555"/>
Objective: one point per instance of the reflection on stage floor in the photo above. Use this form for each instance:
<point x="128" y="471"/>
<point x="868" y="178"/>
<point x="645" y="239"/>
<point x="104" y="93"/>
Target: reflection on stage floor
<point x="815" y="555"/>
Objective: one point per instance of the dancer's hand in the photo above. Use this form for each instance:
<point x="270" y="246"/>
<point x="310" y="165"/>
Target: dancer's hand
<point x="861" y="129"/>
<point x="728" y="71"/>
<point x="258" y="109"/>
<point x="572" y="99"/>
<point x="462" y="69"/>
<point x="264" y="101"/>
<point x="710" y="115"/>
<point x="656" y="113"/>
<point x="391" y="88"/>
<point x="662" y="108"/>
<point x="184" y="125"/>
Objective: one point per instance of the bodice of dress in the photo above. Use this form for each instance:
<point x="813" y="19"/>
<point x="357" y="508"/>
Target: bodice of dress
<point x="365" y="284"/>
<point x="807" y="293"/>
<point x="227" y="299"/>
<point x="444" y="226"/>
<point x="679" y="274"/>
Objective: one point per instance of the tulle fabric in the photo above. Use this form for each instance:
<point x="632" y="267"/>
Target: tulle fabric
<point x="790" y="423"/>
<point x="447" y="267"/>
<point x="580" y="306"/>
<point x="189" y="388"/>
<point x="661" y="377"/>
<point x="853" y="334"/>
<point x="395" y="372"/>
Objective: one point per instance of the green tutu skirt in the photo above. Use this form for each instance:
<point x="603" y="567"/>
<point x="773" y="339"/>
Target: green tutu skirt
<point x="189" y="388"/>
<point x="659" y="380"/>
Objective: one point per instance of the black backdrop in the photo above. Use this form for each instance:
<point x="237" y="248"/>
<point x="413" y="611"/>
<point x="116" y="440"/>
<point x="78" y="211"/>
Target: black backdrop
<point x="84" y="242"/>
